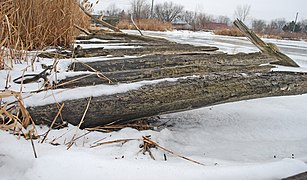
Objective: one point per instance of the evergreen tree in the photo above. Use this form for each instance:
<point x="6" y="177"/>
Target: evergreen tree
<point x="292" y="27"/>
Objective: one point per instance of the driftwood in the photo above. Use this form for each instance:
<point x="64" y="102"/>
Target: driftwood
<point x="165" y="66"/>
<point x="267" y="48"/>
<point x="137" y="28"/>
<point x="168" y="97"/>
<point x="220" y="78"/>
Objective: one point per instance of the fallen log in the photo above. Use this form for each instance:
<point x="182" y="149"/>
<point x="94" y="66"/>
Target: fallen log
<point x="175" y="96"/>
<point x="171" y="60"/>
<point x="219" y="78"/>
<point x="167" y="66"/>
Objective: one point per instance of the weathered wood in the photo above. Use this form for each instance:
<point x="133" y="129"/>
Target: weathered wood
<point x="164" y="66"/>
<point x="144" y="49"/>
<point x="181" y="95"/>
<point x="159" y="73"/>
<point x="172" y="60"/>
<point x="267" y="48"/>
<point x="221" y="78"/>
<point x="137" y="28"/>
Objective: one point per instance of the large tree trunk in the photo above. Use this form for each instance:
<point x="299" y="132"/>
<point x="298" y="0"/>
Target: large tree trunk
<point x="168" y="97"/>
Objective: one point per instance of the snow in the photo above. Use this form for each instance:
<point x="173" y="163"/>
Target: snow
<point x="60" y="95"/>
<point x="108" y="46"/>
<point x="255" y="139"/>
<point x="233" y="140"/>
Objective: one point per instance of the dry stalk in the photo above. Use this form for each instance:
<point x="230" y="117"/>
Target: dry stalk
<point x="82" y="29"/>
<point x="72" y="81"/>
<point x="55" y="118"/>
<point x="147" y="145"/>
<point x="147" y="140"/>
<point x="79" y="125"/>
<point x="115" y="141"/>
<point x="98" y="73"/>
<point x="32" y="143"/>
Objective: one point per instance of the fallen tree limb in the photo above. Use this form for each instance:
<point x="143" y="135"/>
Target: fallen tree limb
<point x="176" y="96"/>
<point x="137" y="28"/>
<point x="267" y="48"/>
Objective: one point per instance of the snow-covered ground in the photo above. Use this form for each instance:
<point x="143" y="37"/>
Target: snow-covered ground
<point x="255" y="139"/>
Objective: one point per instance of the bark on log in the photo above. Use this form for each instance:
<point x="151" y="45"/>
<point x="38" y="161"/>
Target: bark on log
<point x="267" y="48"/>
<point x="165" y="66"/>
<point x="168" y="97"/>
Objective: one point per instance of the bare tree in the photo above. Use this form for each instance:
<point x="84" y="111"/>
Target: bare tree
<point x="223" y="19"/>
<point x="111" y="10"/>
<point x="168" y="11"/>
<point x="258" y="25"/>
<point x="242" y="12"/>
<point x="276" y="26"/>
<point x="304" y="25"/>
<point x="140" y="9"/>
<point x="152" y="9"/>
<point x="202" y="20"/>
<point x="190" y="18"/>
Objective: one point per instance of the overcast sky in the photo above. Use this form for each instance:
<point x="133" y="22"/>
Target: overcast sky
<point x="260" y="9"/>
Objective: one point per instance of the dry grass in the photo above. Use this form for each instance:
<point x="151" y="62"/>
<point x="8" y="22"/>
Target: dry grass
<point x="282" y="35"/>
<point x="145" y="24"/>
<point x="36" y="24"/>
<point x="14" y="116"/>
<point x="229" y="32"/>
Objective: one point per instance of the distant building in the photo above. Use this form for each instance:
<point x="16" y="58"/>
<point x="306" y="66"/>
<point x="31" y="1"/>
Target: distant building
<point x="181" y="25"/>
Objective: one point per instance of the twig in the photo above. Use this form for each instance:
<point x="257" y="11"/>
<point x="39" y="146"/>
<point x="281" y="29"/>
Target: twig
<point x="72" y="81"/>
<point x="115" y="141"/>
<point x="169" y="151"/>
<point x="81" y="136"/>
<point x="98" y="73"/>
<point x="32" y="143"/>
<point x="101" y="139"/>
<point x="79" y="125"/>
<point x="55" y="118"/>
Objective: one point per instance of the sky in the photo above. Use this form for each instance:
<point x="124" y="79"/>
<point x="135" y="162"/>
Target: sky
<point x="260" y="9"/>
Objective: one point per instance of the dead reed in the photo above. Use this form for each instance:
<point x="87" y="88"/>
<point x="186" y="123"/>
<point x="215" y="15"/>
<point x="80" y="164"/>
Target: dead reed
<point x="229" y="32"/>
<point x="145" y="24"/>
<point x="37" y="24"/>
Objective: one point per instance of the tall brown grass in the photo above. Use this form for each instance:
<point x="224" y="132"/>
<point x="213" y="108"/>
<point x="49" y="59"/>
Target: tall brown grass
<point x="145" y="24"/>
<point x="35" y="24"/>
<point x="229" y="32"/>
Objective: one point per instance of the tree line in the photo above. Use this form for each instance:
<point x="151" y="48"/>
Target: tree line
<point x="172" y="12"/>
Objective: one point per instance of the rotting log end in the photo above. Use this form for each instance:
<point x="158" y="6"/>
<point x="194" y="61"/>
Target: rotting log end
<point x="266" y="48"/>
